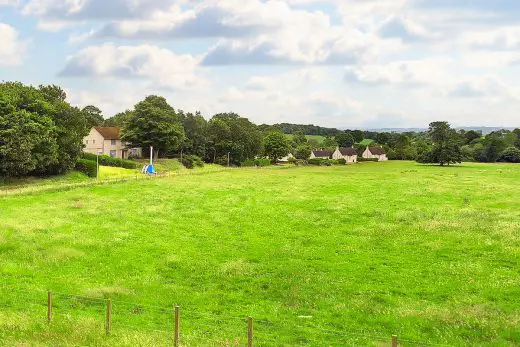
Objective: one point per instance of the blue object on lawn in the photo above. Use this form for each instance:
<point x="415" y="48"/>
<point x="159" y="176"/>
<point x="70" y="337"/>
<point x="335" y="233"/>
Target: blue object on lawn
<point x="150" y="170"/>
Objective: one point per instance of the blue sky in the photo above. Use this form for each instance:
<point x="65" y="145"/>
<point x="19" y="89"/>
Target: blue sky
<point x="342" y="63"/>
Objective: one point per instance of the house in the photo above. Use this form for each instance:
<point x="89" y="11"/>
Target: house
<point x="348" y="153"/>
<point x="321" y="154"/>
<point x="287" y="158"/>
<point x="107" y="141"/>
<point x="375" y="153"/>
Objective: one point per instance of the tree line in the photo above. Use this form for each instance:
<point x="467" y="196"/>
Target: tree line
<point x="42" y="134"/>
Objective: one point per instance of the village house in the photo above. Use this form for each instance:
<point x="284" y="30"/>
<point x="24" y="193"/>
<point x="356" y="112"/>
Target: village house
<point x="107" y="141"/>
<point x="287" y="158"/>
<point x="348" y="153"/>
<point x="375" y="153"/>
<point x="320" y="154"/>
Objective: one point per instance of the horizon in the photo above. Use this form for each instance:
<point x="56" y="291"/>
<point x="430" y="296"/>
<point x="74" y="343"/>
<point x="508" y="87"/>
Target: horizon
<point x="343" y="64"/>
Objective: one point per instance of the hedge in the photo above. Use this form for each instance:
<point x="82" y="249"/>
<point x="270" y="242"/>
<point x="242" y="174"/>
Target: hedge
<point x="260" y="162"/>
<point x="106" y="160"/>
<point x="190" y="161"/>
<point x="367" y="159"/>
<point x="319" y="162"/>
<point x="88" y="167"/>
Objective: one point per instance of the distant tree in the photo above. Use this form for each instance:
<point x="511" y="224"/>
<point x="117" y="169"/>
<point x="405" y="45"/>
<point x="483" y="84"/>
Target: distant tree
<point x="329" y="142"/>
<point x="358" y="135"/>
<point x="94" y="115"/>
<point x="313" y="143"/>
<point x="230" y="133"/>
<point x="494" y="145"/>
<point x="196" y="133"/>
<point x="382" y="138"/>
<point x="517" y="140"/>
<point x="446" y="147"/>
<point x="303" y="152"/>
<point x="154" y="123"/>
<point x="276" y="146"/>
<point x="118" y="120"/>
<point x="402" y="147"/>
<point x="345" y="139"/>
<point x="471" y="135"/>
<point x="299" y="138"/>
<point x="511" y="155"/>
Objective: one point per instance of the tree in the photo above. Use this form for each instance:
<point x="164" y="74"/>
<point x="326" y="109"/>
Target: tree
<point x="118" y="120"/>
<point x="230" y="133"/>
<point x="196" y="132"/>
<point x="382" y="138"/>
<point x="299" y="138"/>
<point x="345" y="139"/>
<point x="471" y="135"/>
<point x="154" y="123"/>
<point x="303" y="152"/>
<point x="494" y="145"/>
<point x="276" y="146"/>
<point x="94" y="115"/>
<point x="445" y="148"/>
<point x="330" y="142"/>
<point x="511" y="155"/>
<point x="358" y="135"/>
<point x="402" y="147"/>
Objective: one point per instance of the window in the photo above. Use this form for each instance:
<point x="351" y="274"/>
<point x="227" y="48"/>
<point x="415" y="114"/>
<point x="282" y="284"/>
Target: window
<point x="93" y="141"/>
<point x="113" y="154"/>
<point x="86" y="142"/>
<point x="113" y="142"/>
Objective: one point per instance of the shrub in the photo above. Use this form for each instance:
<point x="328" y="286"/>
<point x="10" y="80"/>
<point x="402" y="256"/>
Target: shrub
<point x="341" y="161"/>
<point x="106" y="160"/>
<point x="320" y="162"/>
<point x="190" y="161"/>
<point x="511" y="155"/>
<point x="261" y="162"/>
<point x="88" y="167"/>
<point x="361" y="159"/>
<point x="223" y="160"/>
<point x="248" y="163"/>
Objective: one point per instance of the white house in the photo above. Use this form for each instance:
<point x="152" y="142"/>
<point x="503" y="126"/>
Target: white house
<point x="321" y="154"/>
<point x="106" y="140"/>
<point x="288" y="157"/>
<point x="348" y="153"/>
<point x="375" y="153"/>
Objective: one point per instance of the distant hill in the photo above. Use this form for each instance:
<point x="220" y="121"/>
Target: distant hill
<point x="484" y="130"/>
<point x="308" y="129"/>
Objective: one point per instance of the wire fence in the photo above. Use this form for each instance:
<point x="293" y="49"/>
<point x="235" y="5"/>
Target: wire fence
<point x="176" y="326"/>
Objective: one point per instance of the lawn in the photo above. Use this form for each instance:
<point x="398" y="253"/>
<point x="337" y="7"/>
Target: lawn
<point x="318" y="138"/>
<point x="319" y="256"/>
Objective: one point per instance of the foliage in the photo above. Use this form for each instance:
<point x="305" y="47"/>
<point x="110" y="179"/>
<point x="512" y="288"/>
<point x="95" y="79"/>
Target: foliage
<point x="511" y="155"/>
<point x="109" y="161"/>
<point x="93" y="115"/>
<point x="339" y="162"/>
<point x="196" y="133"/>
<point x="319" y="162"/>
<point x="153" y="123"/>
<point x="345" y="139"/>
<point x="191" y="161"/>
<point x="446" y="147"/>
<point x="276" y="146"/>
<point x="230" y="133"/>
<point x="303" y="152"/>
<point x="361" y="159"/>
<point x="119" y="120"/>
<point x="40" y="133"/>
<point x="88" y="167"/>
<point x="299" y="138"/>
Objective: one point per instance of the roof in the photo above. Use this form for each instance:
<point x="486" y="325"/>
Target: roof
<point x="377" y="150"/>
<point x="348" y="151"/>
<point x="321" y="153"/>
<point x="108" y="133"/>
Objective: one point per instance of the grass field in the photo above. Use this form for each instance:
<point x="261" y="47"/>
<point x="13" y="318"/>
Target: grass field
<point x="318" y="138"/>
<point x="319" y="256"/>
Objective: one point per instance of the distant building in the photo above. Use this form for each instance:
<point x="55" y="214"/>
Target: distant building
<point x="348" y="153"/>
<point x="321" y="154"/>
<point x="378" y="153"/>
<point x="288" y="157"/>
<point x="107" y="141"/>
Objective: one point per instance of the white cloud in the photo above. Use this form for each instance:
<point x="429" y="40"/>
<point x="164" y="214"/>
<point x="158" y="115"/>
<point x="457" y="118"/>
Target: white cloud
<point x="12" y="49"/>
<point x="157" y="65"/>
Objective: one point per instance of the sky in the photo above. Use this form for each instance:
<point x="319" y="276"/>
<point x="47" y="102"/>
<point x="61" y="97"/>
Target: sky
<point x="337" y="63"/>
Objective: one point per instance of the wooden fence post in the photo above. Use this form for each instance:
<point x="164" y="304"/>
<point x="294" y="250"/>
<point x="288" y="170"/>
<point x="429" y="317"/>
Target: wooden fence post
<point x="177" y="335"/>
<point x="49" y="306"/>
<point x="108" y="321"/>
<point x="394" y="341"/>
<point x="249" y="331"/>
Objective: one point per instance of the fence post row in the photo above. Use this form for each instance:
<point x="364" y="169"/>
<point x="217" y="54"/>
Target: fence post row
<point x="177" y="334"/>
<point x="249" y="331"/>
<point x="108" y="321"/>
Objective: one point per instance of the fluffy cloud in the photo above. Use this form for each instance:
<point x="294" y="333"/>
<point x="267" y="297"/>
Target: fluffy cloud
<point x="152" y="63"/>
<point x="12" y="49"/>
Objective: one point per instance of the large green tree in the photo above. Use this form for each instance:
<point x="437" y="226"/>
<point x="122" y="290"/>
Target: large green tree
<point x="276" y="146"/>
<point x="196" y="133"/>
<point x="234" y="135"/>
<point x="154" y="123"/>
<point x="445" y="145"/>
<point x="118" y="120"/>
<point x="94" y="115"/>
<point x="345" y="139"/>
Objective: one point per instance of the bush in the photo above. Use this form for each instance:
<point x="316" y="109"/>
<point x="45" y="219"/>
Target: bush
<point x="261" y="162"/>
<point x="361" y="159"/>
<point x="320" y="162"/>
<point x="339" y="162"/>
<point x="190" y="161"/>
<point x="223" y="160"/>
<point x="88" y="167"/>
<point x="300" y="162"/>
<point x="106" y="160"/>
<point x="248" y="163"/>
<point x="511" y="155"/>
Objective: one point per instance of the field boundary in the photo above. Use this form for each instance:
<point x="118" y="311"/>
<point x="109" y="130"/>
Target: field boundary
<point x="51" y="304"/>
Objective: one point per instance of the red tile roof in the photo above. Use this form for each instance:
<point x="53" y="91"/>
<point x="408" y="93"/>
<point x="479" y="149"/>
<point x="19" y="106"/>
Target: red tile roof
<point x="109" y="133"/>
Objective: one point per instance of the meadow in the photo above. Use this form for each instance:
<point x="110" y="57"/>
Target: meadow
<point x="319" y="256"/>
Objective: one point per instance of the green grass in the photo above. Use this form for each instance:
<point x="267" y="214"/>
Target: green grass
<point x="320" y="256"/>
<point x="318" y="138"/>
<point x="366" y="142"/>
